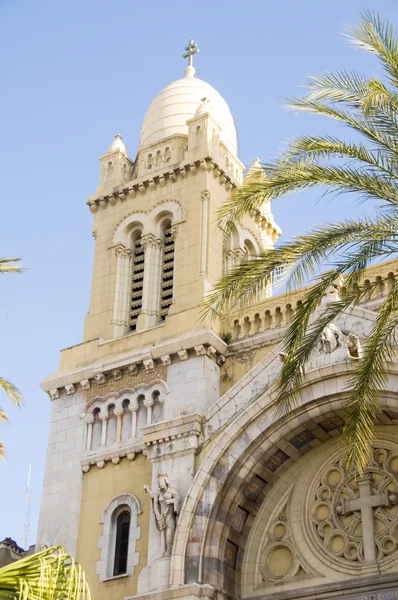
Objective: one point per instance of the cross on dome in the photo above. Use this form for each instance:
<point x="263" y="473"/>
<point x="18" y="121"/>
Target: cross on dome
<point x="191" y="49"/>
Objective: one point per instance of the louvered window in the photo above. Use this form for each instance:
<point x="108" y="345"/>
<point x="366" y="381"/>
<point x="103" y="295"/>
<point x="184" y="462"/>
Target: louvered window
<point x="137" y="281"/>
<point x="166" y="291"/>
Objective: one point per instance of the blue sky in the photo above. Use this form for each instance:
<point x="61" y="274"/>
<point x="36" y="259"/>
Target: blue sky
<point x="73" y="73"/>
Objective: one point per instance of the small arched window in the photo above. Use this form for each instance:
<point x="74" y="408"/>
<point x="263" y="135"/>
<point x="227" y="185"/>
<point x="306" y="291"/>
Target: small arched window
<point x="138" y="260"/>
<point x="122" y="542"/>
<point x="119" y="536"/>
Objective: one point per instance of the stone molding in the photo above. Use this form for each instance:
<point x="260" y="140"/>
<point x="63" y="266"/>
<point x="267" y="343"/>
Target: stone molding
<point x="182" y="434"/>
<point x="121" y="193"/>
<point x="166" y="353"/>
<point x="128" y="450"/>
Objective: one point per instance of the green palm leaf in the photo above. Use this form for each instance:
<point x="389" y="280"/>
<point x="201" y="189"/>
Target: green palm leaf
<point x="367" y="168"/>
<point x="48" y="575"/>
<point x="9" y="265"/>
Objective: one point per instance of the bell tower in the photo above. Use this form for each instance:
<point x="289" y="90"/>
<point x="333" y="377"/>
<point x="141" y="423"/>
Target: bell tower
<point x="127" y="402"/>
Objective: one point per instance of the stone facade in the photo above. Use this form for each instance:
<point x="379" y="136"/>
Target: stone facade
<point x="167" y="422"/>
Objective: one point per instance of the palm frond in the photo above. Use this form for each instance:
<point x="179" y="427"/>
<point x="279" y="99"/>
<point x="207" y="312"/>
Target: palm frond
<point x="48" y="575"/>
<point x="301" y="338"/>
<point x="7" y="265"/>
<point x="362" y="405"/>
<point x="378" y="37"/>
<point x="12" y="391"/>
<point x="317" y="148"/>
<point x="374" y="129"/>
<point x="367" y="168"/>
<point x="300" y="258"/>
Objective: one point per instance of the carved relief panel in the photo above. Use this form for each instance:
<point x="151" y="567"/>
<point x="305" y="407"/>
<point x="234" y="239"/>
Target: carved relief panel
<point x="322" y="522"/>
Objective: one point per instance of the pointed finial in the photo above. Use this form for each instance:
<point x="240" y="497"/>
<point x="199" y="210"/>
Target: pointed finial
<point x="255" y="169"/>
<point x="118" y="144"/>
<point x="190" y="50"/>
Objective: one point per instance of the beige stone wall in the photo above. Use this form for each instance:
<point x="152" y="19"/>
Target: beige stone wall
<point x="99" y="487"/>
<point x="189" y="285"/>
<point x="236" y="366"/>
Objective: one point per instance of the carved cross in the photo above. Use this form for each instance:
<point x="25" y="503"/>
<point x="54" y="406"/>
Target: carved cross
<point x="366" y="503"/>
<point x="191" y="49"/>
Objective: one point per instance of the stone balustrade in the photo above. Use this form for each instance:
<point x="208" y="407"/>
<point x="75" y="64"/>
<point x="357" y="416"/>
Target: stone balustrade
<point x="277" y="312"/>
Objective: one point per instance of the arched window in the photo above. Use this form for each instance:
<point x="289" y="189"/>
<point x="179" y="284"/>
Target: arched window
<point x="111" y="428"/>
<point x="167" y="281"/>
<point x="249" y="251"/>
<point x="119" y="536"/>
<point x="137" y="280"/>
<point x="97" y="427"/>
<point x="122" y="542"/>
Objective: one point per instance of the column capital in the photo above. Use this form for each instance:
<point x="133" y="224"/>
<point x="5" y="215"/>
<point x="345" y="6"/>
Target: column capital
<point x="148" y="402"/>
<point x="134" y="406"/>
<point x="205" y="194"/>
<point x="121" y="250"/>
<point x="89" y="419"/>
<point x="150" y="241"/>
<point x="104" y="416"/>
<point x="118" y="412"/>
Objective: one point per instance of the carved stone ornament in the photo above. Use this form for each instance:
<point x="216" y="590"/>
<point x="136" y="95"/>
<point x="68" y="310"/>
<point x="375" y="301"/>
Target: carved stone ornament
<point x="85" y="384"/>
<point x="54" y="394"/>
<point x="166" y="507"/>
<point x="355" y="519"/>
<point x="335" y="345"/>
<point x="280" y="560"/>
<point x="100" y="378"/>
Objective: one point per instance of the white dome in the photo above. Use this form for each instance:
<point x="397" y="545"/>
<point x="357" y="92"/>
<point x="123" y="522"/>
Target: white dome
<point x="169" y="112"/>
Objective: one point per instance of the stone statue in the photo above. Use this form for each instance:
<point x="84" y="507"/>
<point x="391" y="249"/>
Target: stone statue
<point x="165" y="505"/>
<point x="354" y="346"/>
<point x="330" y="339"/>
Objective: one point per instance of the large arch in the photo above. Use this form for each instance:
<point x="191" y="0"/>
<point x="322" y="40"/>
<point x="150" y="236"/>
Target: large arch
<point x="253" y="451"/>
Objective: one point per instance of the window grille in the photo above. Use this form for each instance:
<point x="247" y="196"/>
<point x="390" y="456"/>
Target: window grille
<point x="137" y="282"/>
<point x="166" y="293"/>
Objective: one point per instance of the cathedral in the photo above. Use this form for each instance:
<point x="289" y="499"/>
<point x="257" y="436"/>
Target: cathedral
<point x="169" y="474"/>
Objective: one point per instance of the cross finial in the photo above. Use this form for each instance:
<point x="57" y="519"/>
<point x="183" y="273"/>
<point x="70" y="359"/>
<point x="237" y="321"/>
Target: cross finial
<point x="190" y="50"/>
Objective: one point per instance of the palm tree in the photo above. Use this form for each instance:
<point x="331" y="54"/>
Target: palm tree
<point x="48" y="575"/>
<point x="369" y="169"/>
<point x="9" y="265"/>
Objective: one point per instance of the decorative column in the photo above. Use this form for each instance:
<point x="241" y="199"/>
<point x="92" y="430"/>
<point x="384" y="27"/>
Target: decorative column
<point x="230" y="260"/>
<point x="157" y="278"/>
<point x="104" y="417"/>
<point x="119" y="414"/>
<point x="238" y="256"/>
<point x="126" y="297"/>
<point x="134" y="407"/>
<point x="148" y="403"/>
<point x="89" y="420"/>
<point x="151" y="288"/>
<point x="175" y="232"/>
<point x="121" y="301"/>
<point x="205" y="232"/>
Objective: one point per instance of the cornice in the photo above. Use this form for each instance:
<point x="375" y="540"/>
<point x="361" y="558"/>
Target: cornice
<point x="202" y="343"/>
<point x="145" y="184"/>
